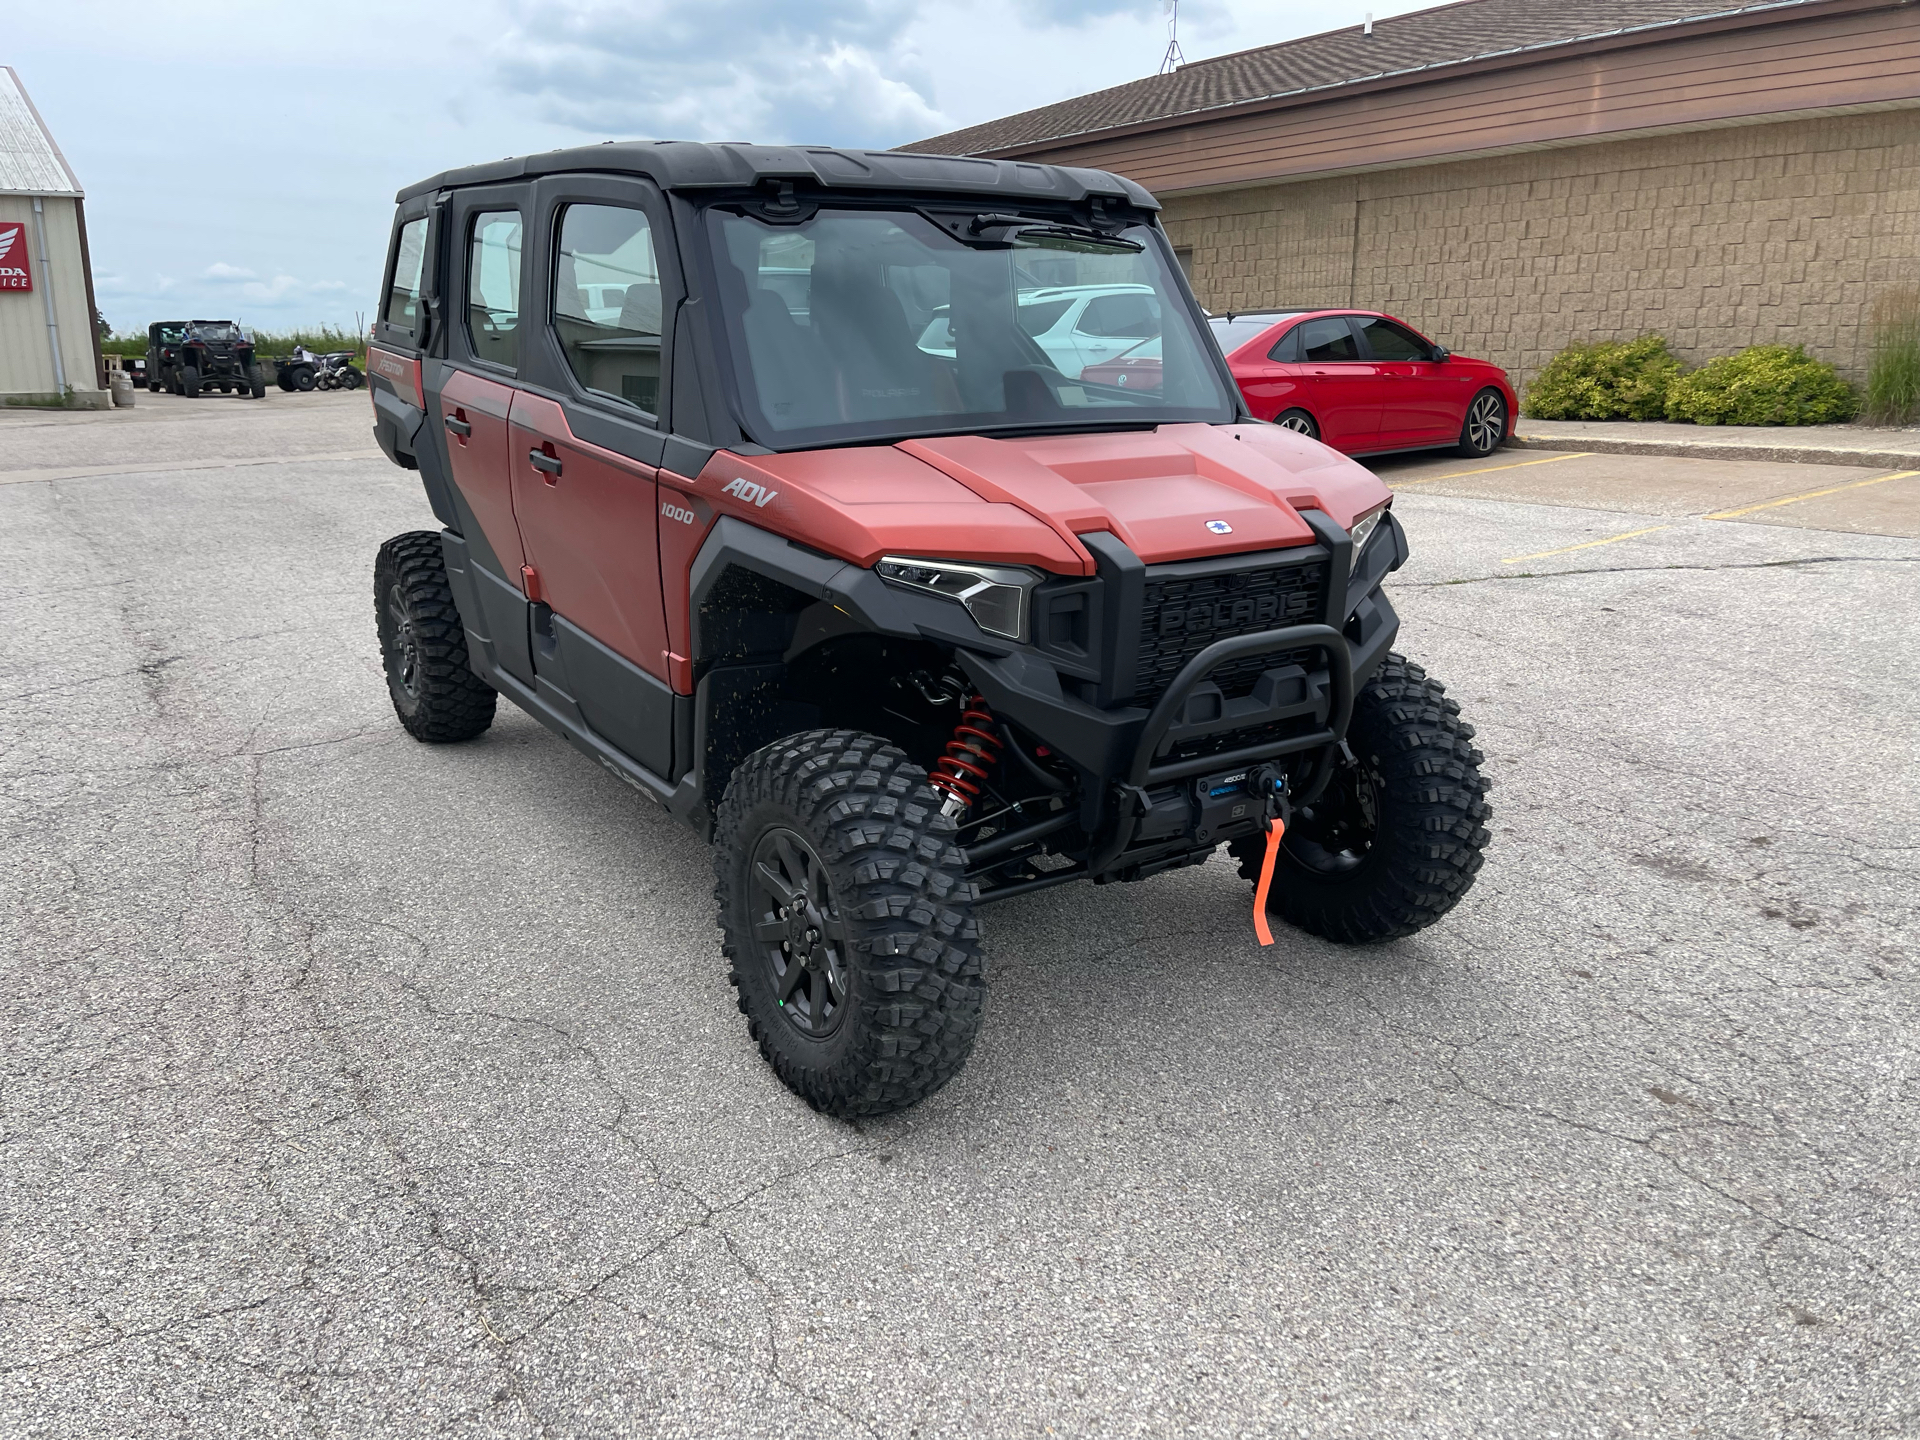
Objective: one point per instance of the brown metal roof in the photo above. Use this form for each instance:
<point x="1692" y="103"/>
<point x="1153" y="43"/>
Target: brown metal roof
<point x="1453" y="34"/>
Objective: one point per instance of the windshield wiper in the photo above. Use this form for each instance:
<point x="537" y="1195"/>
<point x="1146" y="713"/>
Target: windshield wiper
<point x="1005" y="232"/>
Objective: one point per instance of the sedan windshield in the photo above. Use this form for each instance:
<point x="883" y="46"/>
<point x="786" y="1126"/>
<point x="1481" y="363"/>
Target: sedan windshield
<point x="863" y="324"/>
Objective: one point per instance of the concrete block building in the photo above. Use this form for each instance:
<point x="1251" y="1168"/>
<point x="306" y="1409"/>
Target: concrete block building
<point x="49" y="348"/>
<point x="1514" y="175"/>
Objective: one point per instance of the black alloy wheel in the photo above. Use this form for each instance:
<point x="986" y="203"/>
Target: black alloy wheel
<point x="1300" y="422"/>
<point x="1486" y="425"/>
<point x="847" y="921"/>
<point x="798" y="928"/>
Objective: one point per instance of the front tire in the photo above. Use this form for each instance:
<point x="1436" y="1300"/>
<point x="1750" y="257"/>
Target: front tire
<point x="256" y="382"/>
<point x="1485" y="426"/>
<point x="302" y="377"/>
<point x="190" y="382"/>
<point x="1396" y="839"/>
<point x="423" y="645"/>
<point x="847" y="922"/>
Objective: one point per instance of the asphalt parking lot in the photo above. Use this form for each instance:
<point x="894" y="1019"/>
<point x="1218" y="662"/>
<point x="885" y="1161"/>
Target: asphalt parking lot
<point x="354" y="1087"/>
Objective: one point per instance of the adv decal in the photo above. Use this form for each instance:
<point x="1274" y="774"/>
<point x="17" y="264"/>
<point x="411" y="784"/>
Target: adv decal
<point x="14" y="274"/>
<point x="747" y="490"/>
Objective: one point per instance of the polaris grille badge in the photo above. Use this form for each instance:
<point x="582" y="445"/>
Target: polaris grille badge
<point x="1219" y="527"/>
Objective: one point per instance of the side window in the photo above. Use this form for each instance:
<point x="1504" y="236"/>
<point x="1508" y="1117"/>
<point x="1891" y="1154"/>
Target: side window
<point x="1326" y="339"/>
<point x="493" y="286"/>
<point x="1121" y="317"/>
<point x="1287" y="352"/>
<point x="1389" y="341"/>
<point x="403" y="291"/>
<point x="606" y="303"/>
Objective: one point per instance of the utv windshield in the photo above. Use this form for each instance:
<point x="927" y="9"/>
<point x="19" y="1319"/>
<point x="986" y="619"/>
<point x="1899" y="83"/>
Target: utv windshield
<point x="864" y="324"/>
<point x="216" y="332"/>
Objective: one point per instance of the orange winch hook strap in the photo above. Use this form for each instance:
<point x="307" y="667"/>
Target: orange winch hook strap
<point x="1276" y="827"/>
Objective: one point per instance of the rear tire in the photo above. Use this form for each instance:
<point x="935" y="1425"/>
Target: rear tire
<point x="847" y="922"/>
<point x="423" y="645"/>
<point x="189" y="382"/>
<point x="1485" y="426"/>
<point x="1397" y="837"/>
<point x="1300" y="422"/>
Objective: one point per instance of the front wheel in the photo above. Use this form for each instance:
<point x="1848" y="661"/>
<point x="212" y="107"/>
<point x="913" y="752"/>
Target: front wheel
<point x="423" y="645"/>
<point x="1485" y="426"/>
<point x="847" y="922"/>
<point x="256" y="382"/>
<point x="189" y="382"/>
<point x="1300" y="422"/>
<point x="1396" y="838"/>
<point x="302" y="377"/>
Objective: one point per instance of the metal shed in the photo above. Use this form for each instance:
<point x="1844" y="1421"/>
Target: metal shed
<point x="49" y="348"/>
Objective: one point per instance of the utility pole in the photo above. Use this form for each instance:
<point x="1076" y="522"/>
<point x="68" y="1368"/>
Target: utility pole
<point x="1173" y="59"/>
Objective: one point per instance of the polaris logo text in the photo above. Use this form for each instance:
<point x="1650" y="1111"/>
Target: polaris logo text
<point x="674" y="512"/>
<point x="747" y="490"/>
<point x="14" y="274"/>
<point x="1246" y="612"/>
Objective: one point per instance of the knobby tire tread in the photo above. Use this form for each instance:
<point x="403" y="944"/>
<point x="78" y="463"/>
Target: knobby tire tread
<point x="455" y="704"/>
<point x="1434" y="830"/>
<point x="914" y="946"/>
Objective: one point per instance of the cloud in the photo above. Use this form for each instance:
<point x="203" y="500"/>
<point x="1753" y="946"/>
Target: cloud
<point x="220" y="270"/>
<point x="835" y="71"/>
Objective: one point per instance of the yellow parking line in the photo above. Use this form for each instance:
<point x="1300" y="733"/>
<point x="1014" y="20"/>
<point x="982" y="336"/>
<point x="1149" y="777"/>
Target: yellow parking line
<point x="1488" y="470"/>
<point x="1810" y="495"/>
<point x="1569" y="549"/>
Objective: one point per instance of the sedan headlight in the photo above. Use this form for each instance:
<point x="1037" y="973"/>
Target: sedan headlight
<point x="1362" y="532"/>
<point x="995" y="595"/>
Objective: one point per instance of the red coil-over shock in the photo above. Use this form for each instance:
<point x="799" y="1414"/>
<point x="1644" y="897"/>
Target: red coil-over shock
<point x="971" y="755"/>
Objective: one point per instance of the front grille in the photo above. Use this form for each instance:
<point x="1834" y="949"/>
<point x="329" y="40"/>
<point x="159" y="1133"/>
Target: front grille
<point x="1182" y="614"/>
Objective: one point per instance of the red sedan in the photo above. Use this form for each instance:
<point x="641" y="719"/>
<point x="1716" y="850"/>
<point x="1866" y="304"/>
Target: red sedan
<point x="1364" y="383"/>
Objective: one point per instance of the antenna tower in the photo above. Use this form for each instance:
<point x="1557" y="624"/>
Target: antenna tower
<point x="1173" y="59"/>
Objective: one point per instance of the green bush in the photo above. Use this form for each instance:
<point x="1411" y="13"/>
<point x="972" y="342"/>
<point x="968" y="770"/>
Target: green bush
<point x="1893" y="374"/>
<point x="1763" y="385"/>
<point x="1610" y="380"/>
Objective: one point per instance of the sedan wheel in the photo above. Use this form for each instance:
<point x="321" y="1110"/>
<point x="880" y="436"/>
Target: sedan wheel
<point x="1486" y="425"/>
<point x="1300" y="422"/>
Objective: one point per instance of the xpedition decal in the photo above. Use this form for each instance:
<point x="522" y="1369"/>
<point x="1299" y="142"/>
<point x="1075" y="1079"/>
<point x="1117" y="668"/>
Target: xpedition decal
<point x="14" y="274"/>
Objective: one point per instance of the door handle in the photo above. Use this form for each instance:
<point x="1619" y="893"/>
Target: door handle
<point x="459" y="427"/>
<point x="546" y="464"/>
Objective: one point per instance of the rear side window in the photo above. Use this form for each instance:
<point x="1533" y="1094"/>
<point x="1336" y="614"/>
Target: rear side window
<point x="403" y="291"/>
<point x="1232" y="334"/>
<point x="1328" y="339"/>
<point x="606" y="303"/>
<point x="493" y="287"/>
<point x="1388" y="341"/>
<point x="1037" y="317"/>
<point x="1121" y="317"/>
<point x="1287" y="352"/>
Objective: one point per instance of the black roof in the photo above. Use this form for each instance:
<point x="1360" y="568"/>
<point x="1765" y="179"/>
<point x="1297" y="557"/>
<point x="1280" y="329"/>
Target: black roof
<point x="685" y="165"/>
<point x="1399" y="46"/>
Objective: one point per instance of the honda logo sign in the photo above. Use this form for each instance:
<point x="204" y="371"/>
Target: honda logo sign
<point x="14" y="274"/>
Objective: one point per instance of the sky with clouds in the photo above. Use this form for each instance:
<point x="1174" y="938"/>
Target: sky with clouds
<point x="240" y="162"/>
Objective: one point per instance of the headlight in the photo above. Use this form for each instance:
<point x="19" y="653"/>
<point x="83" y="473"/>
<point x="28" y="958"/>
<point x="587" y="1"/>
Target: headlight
<point x="995" y="595"/>
<point x="1362" y="532"/>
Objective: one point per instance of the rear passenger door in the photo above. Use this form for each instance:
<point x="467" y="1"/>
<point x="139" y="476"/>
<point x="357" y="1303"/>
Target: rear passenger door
<point x="470" y="395"/>
<point x="1341" y="388"/>
<point x="585" y="446"/>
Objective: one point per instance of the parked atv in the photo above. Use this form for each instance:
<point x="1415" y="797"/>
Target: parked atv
<point x="337" y="372"/>
<point x="759" y="484"/>
<point x="186" y="357"/>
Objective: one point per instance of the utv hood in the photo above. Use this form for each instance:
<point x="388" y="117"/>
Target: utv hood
<point x="1180" y="492"/>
